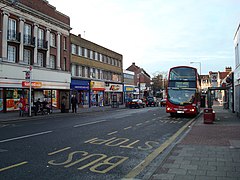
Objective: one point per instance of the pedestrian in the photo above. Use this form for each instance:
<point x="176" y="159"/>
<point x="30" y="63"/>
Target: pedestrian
<point x="74" y="102"/>
<point x="38" y="106"/>
<point x="63" y="104"/>
<point x="21" y="106"/>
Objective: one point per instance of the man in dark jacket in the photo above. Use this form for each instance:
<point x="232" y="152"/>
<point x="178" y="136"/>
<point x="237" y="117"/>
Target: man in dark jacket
<point x="74" y="103"/>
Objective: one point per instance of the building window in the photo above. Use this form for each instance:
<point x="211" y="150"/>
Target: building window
<point x="65" y="43"/>
<point x="52" y="63"/>
<point x="40" y="38"/>
<point x="79" y="51"/>
<point x="93" y="73"/>
<point x="100" y="58"/>
<point x="91" y="54"/>
<point x="237" y="60"/>
<point x="12" y="29"/>
<point x="99" y="75"/>
<point x="83" y="71"/>
<point x="11" y="54"/>
<point x="79" y="71"/>
<point x="96" y="56"/>
<point x="64" y="68"/>
<point x="73" y="70"/>
<point x="85" y="52"/>
<point x="26" y="56"/>
<point x="74" y="49"/>
<point x="40" y="59"/>
<point x="52" y="40"/>
<point x="27" y="38"/>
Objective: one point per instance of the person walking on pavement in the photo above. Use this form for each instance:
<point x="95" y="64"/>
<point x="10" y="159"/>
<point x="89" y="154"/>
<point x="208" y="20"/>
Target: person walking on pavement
<point x="21" y="106"/>
<point x="74" y="103"/>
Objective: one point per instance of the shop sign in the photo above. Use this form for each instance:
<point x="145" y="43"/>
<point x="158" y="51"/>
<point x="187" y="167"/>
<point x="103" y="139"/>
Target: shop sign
<point x="129" y="88"/>
<point x="114" y="88"/>
<point x="97" y="85"/>
<point x="34" y="84"/>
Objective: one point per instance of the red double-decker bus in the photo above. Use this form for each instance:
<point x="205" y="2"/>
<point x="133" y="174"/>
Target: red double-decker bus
<point x="183" y="91"/>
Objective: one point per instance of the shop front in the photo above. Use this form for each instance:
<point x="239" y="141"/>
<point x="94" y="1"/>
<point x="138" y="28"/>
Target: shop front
<point x="113" y="90"/>
<point x="12" y="90"/>
<point x="128" y="92"/>
<point x="81" y="88"/>
<point x="97" y="93"/>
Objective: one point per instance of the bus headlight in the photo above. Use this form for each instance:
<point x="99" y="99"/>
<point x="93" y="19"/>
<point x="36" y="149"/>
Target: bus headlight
<point x="192" y="110"/>
<point x="169" y="109"/>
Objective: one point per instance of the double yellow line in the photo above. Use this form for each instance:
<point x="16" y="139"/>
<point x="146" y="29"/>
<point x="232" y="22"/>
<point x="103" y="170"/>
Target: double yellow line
<point x="140" y="167"/>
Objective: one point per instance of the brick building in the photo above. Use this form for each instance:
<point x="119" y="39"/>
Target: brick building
<point x="96" y="73"/>
<point x="142" y="80"/>
<point x="33" y="36"/>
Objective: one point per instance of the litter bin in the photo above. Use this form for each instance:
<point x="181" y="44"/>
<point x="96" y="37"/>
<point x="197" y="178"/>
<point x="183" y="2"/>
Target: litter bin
<point x="208" y="116"/>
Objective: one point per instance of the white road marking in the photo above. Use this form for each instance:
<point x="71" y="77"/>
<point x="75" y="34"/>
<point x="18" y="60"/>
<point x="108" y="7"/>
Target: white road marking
<point x="127" y="127"/>
<point x="114" y="132"/>
<point x="95" y="122"/>
<point x="26" y="136"/>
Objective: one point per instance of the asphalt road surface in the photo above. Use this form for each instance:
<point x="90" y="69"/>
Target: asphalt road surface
<point x="118" y="144"/>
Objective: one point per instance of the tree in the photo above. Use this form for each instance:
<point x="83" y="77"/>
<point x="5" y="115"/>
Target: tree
<point x="159" y="82"/>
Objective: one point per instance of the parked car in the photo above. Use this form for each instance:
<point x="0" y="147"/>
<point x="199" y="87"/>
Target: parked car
<point x="151" y="101"/>
<point x="163" y="102"/>
<point x="136" y="103"/>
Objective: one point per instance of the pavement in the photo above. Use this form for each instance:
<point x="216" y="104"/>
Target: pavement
<point x="14" y="116"/>
<point x="206" y="152"/>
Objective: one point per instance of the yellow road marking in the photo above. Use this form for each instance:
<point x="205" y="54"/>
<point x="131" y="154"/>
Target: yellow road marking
<point x="139" y="124"/>
<point x="61" y="150"/>
<point x="114" y="132"/>
<point x="129" y="127"/>
<point x="135" y="171"/>
<point x="13" y="166"/>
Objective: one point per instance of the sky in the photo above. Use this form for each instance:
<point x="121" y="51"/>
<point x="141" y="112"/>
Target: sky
<point x="159" y="34"/>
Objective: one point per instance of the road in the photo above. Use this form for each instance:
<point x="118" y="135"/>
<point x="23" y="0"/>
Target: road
<point x="116" y="144"/>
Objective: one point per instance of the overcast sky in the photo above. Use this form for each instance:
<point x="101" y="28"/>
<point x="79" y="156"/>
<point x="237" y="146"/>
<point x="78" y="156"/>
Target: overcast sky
<point x="159" y="34"/>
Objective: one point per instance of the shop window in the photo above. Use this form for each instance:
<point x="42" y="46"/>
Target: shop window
<point x="13" y="97"/>
<point x="1" y="99"/>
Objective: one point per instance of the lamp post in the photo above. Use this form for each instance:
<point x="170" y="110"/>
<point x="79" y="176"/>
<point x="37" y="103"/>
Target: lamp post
<point x="199" y="65"/>
<point x="139" y="86"/>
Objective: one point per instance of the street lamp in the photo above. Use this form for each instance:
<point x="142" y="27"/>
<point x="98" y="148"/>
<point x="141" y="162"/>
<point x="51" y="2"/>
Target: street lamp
<point x="139" y="87"/>
<point x="199" y="65"/>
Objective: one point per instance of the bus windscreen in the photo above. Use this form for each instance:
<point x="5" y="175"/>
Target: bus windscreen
<point x="182" y="74"/>
<point x="181" y="96"/>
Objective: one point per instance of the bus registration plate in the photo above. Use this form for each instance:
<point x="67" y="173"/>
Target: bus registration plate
<point x="180" y="112"/>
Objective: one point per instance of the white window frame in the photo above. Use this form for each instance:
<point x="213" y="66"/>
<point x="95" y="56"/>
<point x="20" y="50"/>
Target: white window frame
<point x="40" y="59"/>
<point x="73" y="70"/>
<point x="74" y="49"/>
<point x="40" y="37"/>
<point x="27" y="34"/>
<point x="91" y="54"/>
<point x="52" y="62"/>
<point x="12" y="29"/>
<point x="79" y="50"/>
<point x="85" y="52"/>
<point x="11" y="54"/>
<point x="26" y="56"/>
<point x="52" y="40"/>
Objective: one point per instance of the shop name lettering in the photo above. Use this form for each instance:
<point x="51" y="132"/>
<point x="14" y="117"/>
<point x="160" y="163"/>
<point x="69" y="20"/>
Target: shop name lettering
<point x="114" y="88"/>
<point x="34" y="84"/>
